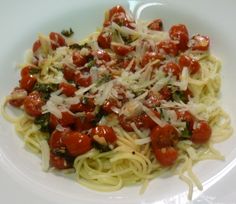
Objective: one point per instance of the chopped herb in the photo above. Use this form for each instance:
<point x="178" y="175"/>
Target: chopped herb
<point x="179" y="96"/>
<point x="43" y="121"/>
<point x="101" y="148"/>
<point x="186" y="133"/>
<point x="77" y="46"/>
<point x="45" y="89"/>
<point x="67" y="33"/>
<point x="105" y="78"/>
<point x="84" y="100"/>
<point x="34" y="71"/>
<point x="98" y="116"/>
<point x="91" y="63"/>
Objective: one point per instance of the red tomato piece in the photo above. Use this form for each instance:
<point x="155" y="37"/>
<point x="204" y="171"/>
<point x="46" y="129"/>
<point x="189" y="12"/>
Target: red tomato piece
<point x="82" y="80"/>
<point x="166" y="156"/>
<point x="179" y="33"/>
<point x="150" y="57"/>
<point x="56" y="40"/>
<point x="200" y="42"/>
<point x="36" y="46"/>
<point x="125" y="123"/>
<point x="121" y="49"/>
<point x="109" y="105"/>
<point x="103" y="55"/>
<point x="187" y="117"/>
<point x="59" y="162"/>
<point x="157" y="25"/>
<point x="78" y="59"/>
<point x="17" y="102"/>
<point x="28" y="83"/>
<point x="55" y="140"/>
<point x="144" y="121"/>
<point x="69" y="74"/>
<point x="33" y="104"/>
<point x="202" y="133"/>
<point x="167" y="47"/>
<point x="164" y="136"/>
<point x="67" y="89"/>
<point x="152" y="100"/>
<point x="165" y="93"/>
<point x="192" y="64"/>
<point x="106" y="132"/>
<point x="82" y="124"/>
<point x="104" y="40"/>
<point x="172" y="68"/>
<point x="66" y="120"/>
<point x="77" y="143"/>
<point x="116" y="10"/>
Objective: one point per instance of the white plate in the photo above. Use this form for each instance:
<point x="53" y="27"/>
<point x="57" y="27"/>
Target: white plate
<point x="21" y="178"/>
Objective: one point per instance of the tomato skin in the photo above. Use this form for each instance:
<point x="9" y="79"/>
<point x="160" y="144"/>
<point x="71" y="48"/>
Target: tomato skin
<point x="144" y="121"/>
<point x="173" y="68"/>
<point x="109" y="104"/>
<point x="202" y="133"/>
<point x="83" y="81"/>
<point x="116" y="10"/>
<point x="55" y="140"/>
<point x="104" y="40"/>
<point x="157" y="25"/>
<point x="78" y="59"/>
<point x="168" y="47"/>
<point x="66" y="120"/>
<point x="103" y="55"/>
<point x="19" y="101"/>
<point x="69" y="74"/>
<point x="187" y="117"/>
<point x="121" y="49"/>
<point x="67" y="89"/>
<point x="200" y="43"/>
<point x="77" y="143"/>
<point x="166" y="156"/>
<point x="179" y="32"/>
<point x="33" y="104"/>
<point x="152" y="100"/>
<point x="166" y="93"/>
<point x="36" y="46"/>
<point x="164" y="136"/>
<point x="125" y="123"/>
<point x="192" y="64"/>
<point x="83" y="124"/>
<point x="59" y="162"/>
<point x="28" y="83"/>
<point x="56" y="40"/>
<point x="150" y="57"/>
<point x="106" y="132"/>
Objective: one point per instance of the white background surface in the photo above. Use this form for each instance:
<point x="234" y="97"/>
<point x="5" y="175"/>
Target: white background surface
<point x="21" y="178"/>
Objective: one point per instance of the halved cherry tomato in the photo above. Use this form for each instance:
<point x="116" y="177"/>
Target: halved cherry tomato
<point x="144" y="121"/>
<point x="82" y="80"/>
<point x="66" y="120"/>
<point x="55" y="140"/>
<point x="33" y="104"/>
<point x="17" y="102"/>
<point x="150" y="57"/>
<point x="109" y="105"/>
<point x="157" y="25"/>
<point x="172" y="68"/>
<point x="36" y="46"/>
<point x="82" y="124"/>
<point x="192" y="64"/>
<point x="59" y="162"/>
<point x="103" y="55"/>
<point x="77" y="143"/>
<point x="56" y="40"/>
<point x="121" y="49"/>
<point x="166" y="156"/>
<point x="165" y="136"/>
<point x="179" y="33"/>
<point x="28" y="83"/>
<point x="69" y="74"/>
<point x="125" y="123"/>
<point x="200" y="42"/>
<point x="67" y="89"/>
<point x="167" y="47"/>
<point x="106" y="132"/>
<point x="165" y="93"/>
<point x="78" y="59"/>
<point x="104" y="39"/>
<point x="202" y="133"/>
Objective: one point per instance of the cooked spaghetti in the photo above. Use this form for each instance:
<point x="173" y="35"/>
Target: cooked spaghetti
<point x="123" y="106"/>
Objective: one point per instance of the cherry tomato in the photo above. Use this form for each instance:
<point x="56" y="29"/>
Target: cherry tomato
<point x="69" y="74"/>
<point x="187" y="117"/>
<point x="165" y="93"/>
<point x="104" y="40"/>
<point x="55" y="140"/>
<point x="77" y="143"/>
<point x="200" y="42"/>
<point x="125" y="123"/>
<point x="166" y="156"/>
<point x="82" y="124"/>
<point x="67" y="89"/>
<point x="106" y="132"/>
<point x="18" y="101"/>
<point x="172" y="68"/>
<point x="33" y="104"/>
<point x="66" y="120"/>
<point x="84" y="81"/>
<point x="164" y="136"/>
<point x="103" y="55"/>
<point x="25" y="71"/>
<point x="167" y="47"/>
<point x="152" y="100"/>
<point x="59" y="162"/>
<point x="157" y="25"/>
<point x="28" y="83"/>
<point x="115" y="10"/>
<point x="150" y="57"/>
<point x="202" y="133"/>
<point x="192" y="64"/>
<point x="144" y="121"/>
<point x="36" y="46"/>
<point x="56" y="40"/>
<point x="125" y="63"/>
<point x="109" y="105"/>
<point x="179" y="33"/>
<point x="121" y="49"/>
<point x="78" y="59"/>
